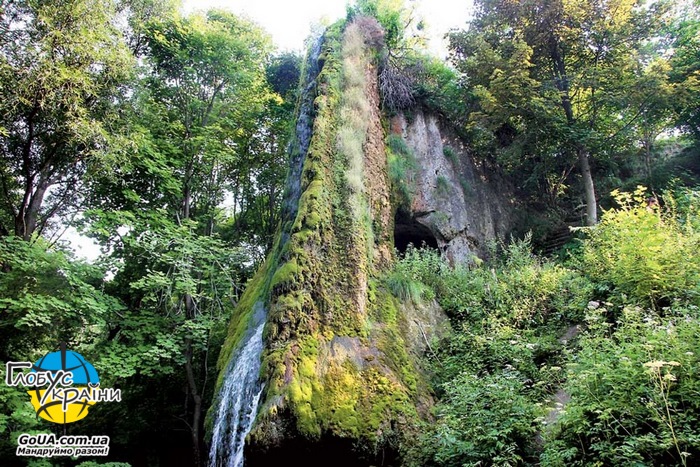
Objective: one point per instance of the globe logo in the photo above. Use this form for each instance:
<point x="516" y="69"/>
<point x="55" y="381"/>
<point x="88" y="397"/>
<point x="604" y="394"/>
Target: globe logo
<point x="62" y="385"/>
<point x="63" y="406"/>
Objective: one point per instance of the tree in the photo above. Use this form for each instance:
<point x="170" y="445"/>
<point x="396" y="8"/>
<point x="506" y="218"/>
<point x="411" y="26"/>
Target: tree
<point x="59" y="63"/>
<point x="46" y="297"/>
<point x="654" y="97"/>
<point x="685" y="68"/>
<point x="560" y="70"/>
<point x="263" y="161"/>
<point x="203" y="137"/>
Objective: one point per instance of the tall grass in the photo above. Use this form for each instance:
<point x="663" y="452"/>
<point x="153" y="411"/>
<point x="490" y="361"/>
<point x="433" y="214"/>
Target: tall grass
<point x="355" y="114"/>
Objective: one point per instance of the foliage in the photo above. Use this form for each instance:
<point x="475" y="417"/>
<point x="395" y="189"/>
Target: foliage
<point x="150" y="338"/>
<point x="410" y="277"/>
<point x="60" y="63"/>
<point x="685" y="67"/>
<point x="482" y="419"/>
<point x="389" y="13"/>
<point x="631" y="375"/>
<point x="438" y="88"/>
<point x="633" y="389"/>
<point x="46" y="297"/>
<point x="644" y="251"/>
<point x="197" y="117"/>
<point x="504" y="356"/>
<point x="183" y="202"/>
<point x="547" y="85"/>
<point x="402" y="166"/>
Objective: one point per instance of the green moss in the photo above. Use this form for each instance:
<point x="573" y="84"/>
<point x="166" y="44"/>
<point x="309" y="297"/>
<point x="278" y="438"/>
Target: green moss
<point x="310" y="205"/>
<point x="451" y="155"/>
<point x="302" y="387"/>
<point x="443" y="186"/>
<point x="287" y="273"/>
<point x="346" y="401"/>
<point x="255" y="290"/>
<point x="402" y="165"/>
<point x="467" y="189"/>
<point x="391" y="341"/>
<point x="312" y="285"/>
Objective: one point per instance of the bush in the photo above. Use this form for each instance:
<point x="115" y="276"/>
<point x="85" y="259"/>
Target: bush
<point x="412" y="277"/>
<point x="482" y="420"/>
<point x="632" y="374"/>
<point x="504" y="357"/>
<point x="644" y="252"/>
<point x="521" y="291"/>
<point x="634" y="392"/>
<point x="396" y="87"/>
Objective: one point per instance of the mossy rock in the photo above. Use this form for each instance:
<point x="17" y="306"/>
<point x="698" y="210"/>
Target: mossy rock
<point x="336" y="367"/>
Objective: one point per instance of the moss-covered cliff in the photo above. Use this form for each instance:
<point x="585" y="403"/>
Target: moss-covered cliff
<point x="341" y="383"/>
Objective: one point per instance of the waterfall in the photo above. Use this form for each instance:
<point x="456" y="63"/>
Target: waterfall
<point x="301" y="139"/>
<point x="238" y="398"/>
<point x="241" y="389"/>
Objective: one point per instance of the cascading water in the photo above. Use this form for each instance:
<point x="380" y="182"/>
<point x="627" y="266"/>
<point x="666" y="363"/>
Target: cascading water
<point x="241" y="390"/>
<point x="238" y="398"/>
<point x="299" y="144"/>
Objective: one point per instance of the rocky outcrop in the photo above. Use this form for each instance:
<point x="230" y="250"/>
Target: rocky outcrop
<point x="341" y="380"/>
<point x="462" y="202"/>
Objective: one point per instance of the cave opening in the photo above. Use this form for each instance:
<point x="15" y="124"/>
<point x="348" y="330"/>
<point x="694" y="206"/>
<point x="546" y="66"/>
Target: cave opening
<point x="407" y="230"/>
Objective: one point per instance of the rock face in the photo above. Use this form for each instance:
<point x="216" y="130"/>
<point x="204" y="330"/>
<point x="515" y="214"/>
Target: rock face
<point x="463" y="203"/>
<point x="341" y="378"/>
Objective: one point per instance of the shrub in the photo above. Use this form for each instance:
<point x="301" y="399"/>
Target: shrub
<point x="442" y="187"/>
<point x="450" y="154"/>
<point x="482" y="420"/>
<point x="644" y="252"/>
<point x="396" y="87"/>
<point x="504" y="357"/>
<point x="405" y="287"/>
<point x="522" y="290"/>
<point x="634" y="392"/>
<point x="413" y="276"/>
<point x="371" y="30"/>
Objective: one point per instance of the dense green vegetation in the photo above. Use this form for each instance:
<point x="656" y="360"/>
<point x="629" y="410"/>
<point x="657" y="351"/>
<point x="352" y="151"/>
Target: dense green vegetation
<point x="610" y="334"/>
<point x="162" y="137"/>
<point x="575" y="96"/>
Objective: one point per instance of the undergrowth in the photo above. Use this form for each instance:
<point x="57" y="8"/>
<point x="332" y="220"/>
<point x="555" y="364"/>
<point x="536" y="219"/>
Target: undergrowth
<point x="615" y="327"/>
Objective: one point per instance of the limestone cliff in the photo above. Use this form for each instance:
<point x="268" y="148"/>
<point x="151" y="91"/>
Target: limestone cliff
<point x="461" y="202"/>
<point x="340" y="370"/>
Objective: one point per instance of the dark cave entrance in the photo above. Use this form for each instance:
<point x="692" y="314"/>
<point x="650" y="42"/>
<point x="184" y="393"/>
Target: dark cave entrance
<point x="407" y="230"/>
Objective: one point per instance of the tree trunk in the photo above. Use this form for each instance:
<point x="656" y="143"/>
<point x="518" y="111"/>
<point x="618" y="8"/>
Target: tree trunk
<point x="26" y="219"/>
<point x="561" y="80"/>
<point x="197" y="409"/>
<point x="589" y="189"/>
<point x="192" y="384"/>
